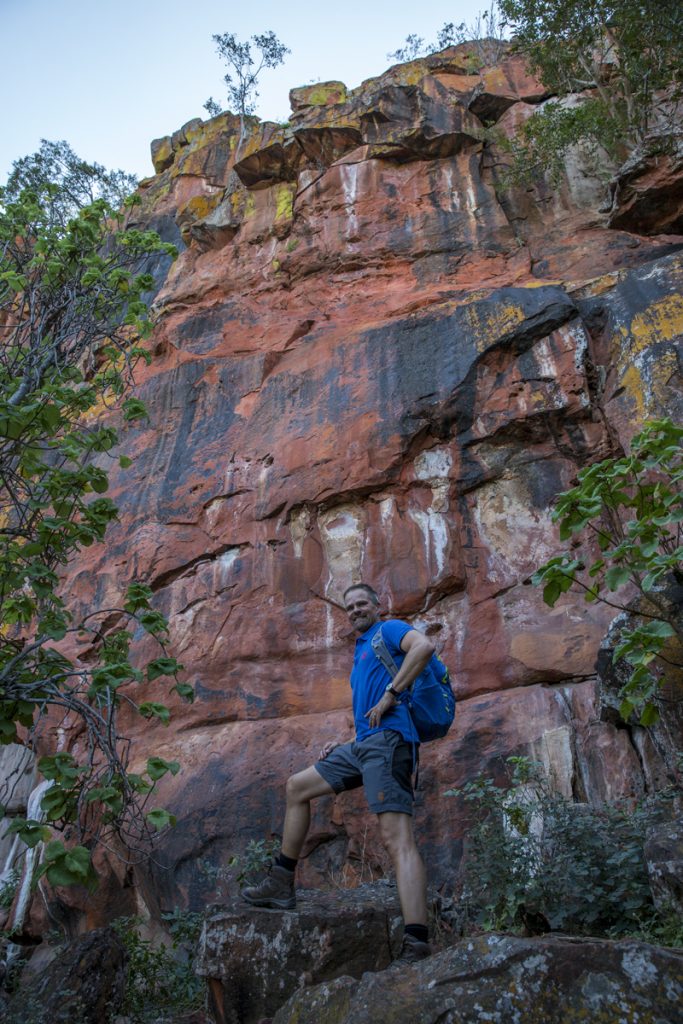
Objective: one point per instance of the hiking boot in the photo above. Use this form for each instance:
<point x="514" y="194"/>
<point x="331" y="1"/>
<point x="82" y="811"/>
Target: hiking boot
<point x="275" y="891"/>
<point x="412" y="951"/>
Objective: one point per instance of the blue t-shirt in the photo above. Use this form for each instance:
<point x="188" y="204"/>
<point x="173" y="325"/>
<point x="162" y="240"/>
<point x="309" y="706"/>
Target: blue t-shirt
<point x="369" y="680"/>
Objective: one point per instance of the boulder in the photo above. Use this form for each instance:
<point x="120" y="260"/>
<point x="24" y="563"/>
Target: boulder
<point x="498" y="979"/>
<point x="254" y="959"/>
<point x="83" y="984"/>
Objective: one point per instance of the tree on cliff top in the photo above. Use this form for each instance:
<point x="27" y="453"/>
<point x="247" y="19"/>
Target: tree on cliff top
<point x="624" y="56"/>
<point x="486" y="33"/>
<point x="245" y="68"/>
<point x="72" y="326"/>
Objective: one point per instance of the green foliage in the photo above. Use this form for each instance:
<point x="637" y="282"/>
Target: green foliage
<point x="541" y="142"/>
<point x="242" y="868"/>
<point x="257" y="857"/>
<point x="8" y="889"/>
<point x="78" y="183"/>
<point x="625" y="56"/>
<point x="245" y="61"/>
<point x="623" y="525"/>
<point x="72" y="319"/>
<point x="212" y="108"/>
<point x="160" y="982"/>
<point x="530" y="852"/>
<point x="64" y="866"/>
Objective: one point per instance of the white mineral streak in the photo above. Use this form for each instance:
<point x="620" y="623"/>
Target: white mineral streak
<point x="222" y="567"/>
<point x="299" y="525"/>
<point x="32" y="855"/>
<point x="517" y="537"/>
<point x="553" y="749"/>
<point x="342" y="532"/>
<point x="349" y="183"/>
<point x="545" y="360"/>
<point x="433" y="467"/>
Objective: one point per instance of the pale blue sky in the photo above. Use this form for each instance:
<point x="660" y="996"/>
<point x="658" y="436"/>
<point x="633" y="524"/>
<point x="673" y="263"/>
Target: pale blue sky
<point x="110" y="75"/>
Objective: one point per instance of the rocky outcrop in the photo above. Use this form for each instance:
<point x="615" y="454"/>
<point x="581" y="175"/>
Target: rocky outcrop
<point x="497" y="979"/>
<point x="84" y="983"/>
<point x="255" y="959"/>
<point x="376" y="359"/>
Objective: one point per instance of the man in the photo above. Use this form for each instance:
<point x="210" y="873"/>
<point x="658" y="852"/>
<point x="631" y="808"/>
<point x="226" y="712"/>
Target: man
<point x="381" y="759"/>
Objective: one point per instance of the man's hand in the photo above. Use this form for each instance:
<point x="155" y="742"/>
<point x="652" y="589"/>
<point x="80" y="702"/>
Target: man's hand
<point x="374" y="714"/>
<point x="327" y="750"/>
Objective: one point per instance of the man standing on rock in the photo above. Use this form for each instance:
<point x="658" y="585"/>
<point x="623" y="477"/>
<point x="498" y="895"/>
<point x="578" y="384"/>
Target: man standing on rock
<point x="381" y="759"/>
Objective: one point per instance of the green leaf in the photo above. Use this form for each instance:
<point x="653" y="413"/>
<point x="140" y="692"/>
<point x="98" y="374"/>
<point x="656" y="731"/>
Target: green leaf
<point x="158" y="818"/>
<point x="162" y="667"/>
<point x="125" y="462"/>
<point x="29" y="831"/>
<point x="152" y="709"/>
<point x="185" y="691"/>
<point x="158" y="767"/>
<point x="649" y="715"/>
<point x="616" y="576"/>
<point x="134" y="409"/>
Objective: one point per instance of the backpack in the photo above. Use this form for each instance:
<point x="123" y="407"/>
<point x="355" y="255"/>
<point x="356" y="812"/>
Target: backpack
<point x="430" y="699"/>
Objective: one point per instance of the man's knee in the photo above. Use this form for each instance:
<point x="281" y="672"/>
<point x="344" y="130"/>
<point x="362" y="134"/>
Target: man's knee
<point x="294" y="788"/>
<point x="397" y="832"/>
<point x="305" y="786"/>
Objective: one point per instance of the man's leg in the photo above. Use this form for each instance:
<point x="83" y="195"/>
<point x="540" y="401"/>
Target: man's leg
<point x="276" y="891"/>
<point x="301" y="789"/>
<point x="398" y="837"/>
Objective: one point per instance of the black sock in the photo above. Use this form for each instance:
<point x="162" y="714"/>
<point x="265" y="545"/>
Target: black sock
<point x="286" y="862"/>
<point x="418" y="931"/>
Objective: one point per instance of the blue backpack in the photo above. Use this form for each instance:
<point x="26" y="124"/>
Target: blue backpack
<point x="430" y="699"/>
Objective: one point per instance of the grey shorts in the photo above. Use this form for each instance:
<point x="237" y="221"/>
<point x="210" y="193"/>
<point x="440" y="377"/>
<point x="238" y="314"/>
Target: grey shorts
<point x="382" y="763"/>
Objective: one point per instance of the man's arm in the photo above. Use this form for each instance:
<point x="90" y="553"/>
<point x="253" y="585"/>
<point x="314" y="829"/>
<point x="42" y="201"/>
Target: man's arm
<point x="418" y="650"/>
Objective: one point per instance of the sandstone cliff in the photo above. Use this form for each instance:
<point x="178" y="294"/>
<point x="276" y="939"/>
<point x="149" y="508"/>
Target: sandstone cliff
<point x="376" y="360"/>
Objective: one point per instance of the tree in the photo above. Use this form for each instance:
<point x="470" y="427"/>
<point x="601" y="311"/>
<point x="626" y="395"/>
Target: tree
<point x="623" y="56"/>
<point x="72" y="327"/>
<point x="245" y="68"/>
<point x="79" y="183"/>
<point x="212" y="108"/>
<point x="486" y="33"/>
<point x="623" y="525"/>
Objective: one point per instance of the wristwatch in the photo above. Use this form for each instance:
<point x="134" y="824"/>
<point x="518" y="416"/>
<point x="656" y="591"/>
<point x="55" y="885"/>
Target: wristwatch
<point x="390" y="689"/>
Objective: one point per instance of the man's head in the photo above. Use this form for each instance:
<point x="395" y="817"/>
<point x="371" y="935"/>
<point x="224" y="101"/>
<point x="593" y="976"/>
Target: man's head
<point x="362" y="606"/>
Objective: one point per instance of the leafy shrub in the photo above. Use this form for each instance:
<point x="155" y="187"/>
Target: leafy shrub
<point x="241" y="867"/>
<point x="8" y="888"/>
<point x="160" y="982"/>
<point x="622" y="525"/>
<point x="532" y="854"/>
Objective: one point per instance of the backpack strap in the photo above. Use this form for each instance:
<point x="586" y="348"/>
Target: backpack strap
<point x="381" y="651"/>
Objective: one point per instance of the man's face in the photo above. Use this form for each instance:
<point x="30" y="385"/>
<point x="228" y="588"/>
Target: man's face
<point x="361" y="610"/>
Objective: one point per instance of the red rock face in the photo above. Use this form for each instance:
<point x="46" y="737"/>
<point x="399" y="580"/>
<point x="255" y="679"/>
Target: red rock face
<point x="375" y="363"/>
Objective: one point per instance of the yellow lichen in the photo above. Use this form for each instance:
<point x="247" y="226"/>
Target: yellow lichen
<point x="661" y="321"/>
<point x="284" y="201"/>
<point x="487" y="325"/>
<point x="321" y="95"/>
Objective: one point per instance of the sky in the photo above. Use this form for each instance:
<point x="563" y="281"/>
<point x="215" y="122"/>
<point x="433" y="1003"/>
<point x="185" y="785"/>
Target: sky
<point x="111" y="75"/>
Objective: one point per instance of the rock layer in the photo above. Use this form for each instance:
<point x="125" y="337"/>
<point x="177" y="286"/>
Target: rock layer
<point x="498" y="979"/>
